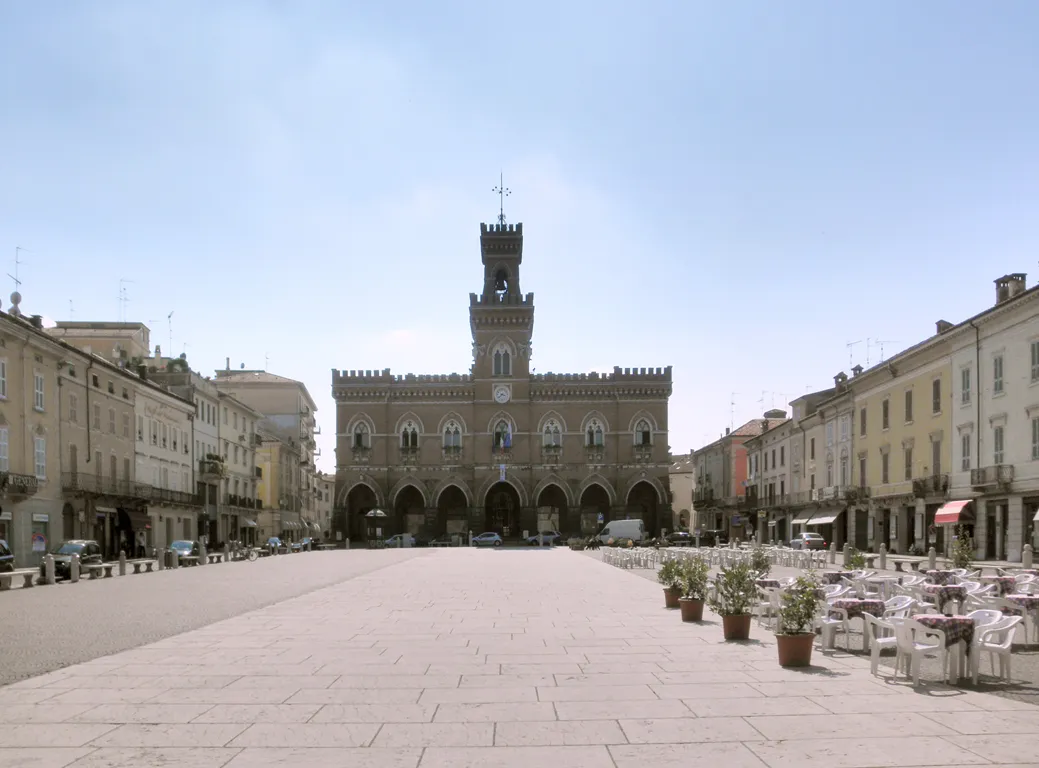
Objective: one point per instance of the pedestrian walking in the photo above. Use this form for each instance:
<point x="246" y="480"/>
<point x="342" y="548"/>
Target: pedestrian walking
<point x="142" y="544"/>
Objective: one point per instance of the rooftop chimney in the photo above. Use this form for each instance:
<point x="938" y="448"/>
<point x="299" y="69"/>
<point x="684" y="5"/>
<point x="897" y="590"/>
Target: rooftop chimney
<point x="1009" y="286"/>
<point x="856" y="371"/>
<point x="726" y="430"/>
<point x="227" y="364"/>
<point x="942" y="326"/>
<point x="158" y="351"/>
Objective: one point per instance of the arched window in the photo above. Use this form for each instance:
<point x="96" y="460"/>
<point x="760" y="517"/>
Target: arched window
<point x="409" y="437"/>
<point x="502" y="436"/>
<point x="643" y="433"/>
<point x="594" y="434"/>
<point x="502" y="362"/>
<point x="361" y="437"/>
<point x="552" y="437"/>
<point x="452" y="435"/>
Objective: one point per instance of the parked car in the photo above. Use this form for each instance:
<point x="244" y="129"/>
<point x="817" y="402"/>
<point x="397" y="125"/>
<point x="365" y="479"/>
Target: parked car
<point x="89" y="552"/>
<point x="623" y="529"/>
<point x="397" y="540"/>
<point x="6" y="558"/>
<point x="713" y="538"/>
<point x="185" y="548"/>
<point x="808" y="541"/>
<point x="488" y="540"/>
<point x="680" y="539"/>
<point x="548" y="538"/>
<point x="277" y="543"/>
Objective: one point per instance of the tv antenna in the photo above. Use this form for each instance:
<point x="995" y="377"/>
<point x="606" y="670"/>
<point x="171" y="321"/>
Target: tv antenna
<point x="502" y="192"/>
<point x="169" y="326"/>
<point x="17" y="263"/>
<point x="732" y="410"/>
<point x="851" y="351"/>
<point x="72" y="312"/>
<point x="881" y="343"/>
<point x="124" y="298"/>
<point x="266" y="361"/>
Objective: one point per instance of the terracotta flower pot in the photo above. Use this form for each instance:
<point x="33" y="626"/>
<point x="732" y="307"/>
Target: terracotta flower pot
<point x="692" y="610"/>
<point x="795" y="650"/>
<point x="671" y="597"/>
<point x="736" y="627"/>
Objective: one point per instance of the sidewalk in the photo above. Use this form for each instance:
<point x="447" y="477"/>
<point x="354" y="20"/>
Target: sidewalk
<point x="501" y="659"/>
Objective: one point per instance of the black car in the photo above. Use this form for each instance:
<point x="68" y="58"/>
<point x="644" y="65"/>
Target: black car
<point x="680" y="539"/>
<point x="6" y="558"/>
<point x="89" y="554"/>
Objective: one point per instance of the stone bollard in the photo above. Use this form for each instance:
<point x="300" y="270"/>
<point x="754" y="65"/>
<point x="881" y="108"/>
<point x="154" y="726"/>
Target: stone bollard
<point x="202" y="558"/>
<point x="310" y="545"/>
<point x="48" y="569"/>
<point x="1026" y="556"/>
<point x="932" y="557"/>
<point x="161" y="558"/>
<point x="847" y="553"/>
<point x="833" y="552"/>
<point x="74" y="569"/>
<point x="347" y="544"/>
<point x="882" y="557"/>
<point x="174" y="559"/>
<point x="122" y="563"/>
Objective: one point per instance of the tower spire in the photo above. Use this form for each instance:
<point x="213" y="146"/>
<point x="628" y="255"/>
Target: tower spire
<point x="502" y="192"/>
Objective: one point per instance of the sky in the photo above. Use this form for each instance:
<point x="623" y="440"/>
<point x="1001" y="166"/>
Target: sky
<point x="736" y="189"/>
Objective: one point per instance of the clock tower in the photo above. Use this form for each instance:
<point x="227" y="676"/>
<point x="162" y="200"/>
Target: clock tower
<point x="501" y="319"/>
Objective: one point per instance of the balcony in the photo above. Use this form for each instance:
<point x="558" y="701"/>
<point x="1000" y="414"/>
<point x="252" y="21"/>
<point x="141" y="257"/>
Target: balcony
<point x="361" y="454"/>
<point x="729" y="501"/>
<point x="451" y="454"/>
<point x="595" y="454"/>
<point x="501" y="454"/>
<point x="856" y="493"/>
<point x="935" y="485"/>
<point x="257" y="439"/>
<point x="212" y="467"/>
<point x="642" y="454"/>
<point x="168" y="497"/>
<point x="998" y="475"/>
<point x="704" y="496"/>
<point x="19" y="485"/>
<point x="409" y="455"/>
<point x="82" y="482"/>
<point x="551" y="454"/>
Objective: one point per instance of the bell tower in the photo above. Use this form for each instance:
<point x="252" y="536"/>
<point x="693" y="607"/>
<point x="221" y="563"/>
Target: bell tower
<point x="501" y="317"/>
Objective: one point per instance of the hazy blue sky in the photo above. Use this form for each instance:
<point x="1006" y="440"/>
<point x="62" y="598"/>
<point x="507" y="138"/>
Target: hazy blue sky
<point x="737" y="189"/>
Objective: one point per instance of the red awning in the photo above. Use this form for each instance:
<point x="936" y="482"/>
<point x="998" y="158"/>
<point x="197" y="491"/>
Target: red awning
<point x="952" y="512"/>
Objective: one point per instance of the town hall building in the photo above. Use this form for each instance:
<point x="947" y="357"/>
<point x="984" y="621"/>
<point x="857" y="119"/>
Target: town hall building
<point x="500" y="448"/>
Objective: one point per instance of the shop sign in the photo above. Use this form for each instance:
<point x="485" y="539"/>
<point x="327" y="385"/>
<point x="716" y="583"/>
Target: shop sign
<point x="40" y="517"/>
<point x="5" y="515"/>
<point x="39" y="542"/>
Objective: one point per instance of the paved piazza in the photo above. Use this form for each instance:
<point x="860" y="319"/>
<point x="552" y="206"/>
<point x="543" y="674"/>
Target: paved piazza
<point x="455" y="658"/>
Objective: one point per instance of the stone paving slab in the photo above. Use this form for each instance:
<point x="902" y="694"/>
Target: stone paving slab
<point x="478" y="658"/>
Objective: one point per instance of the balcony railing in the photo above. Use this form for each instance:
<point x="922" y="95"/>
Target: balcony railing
<point x="935" y="485"/>
<point x="211" y="467"/>
<point x="997" y="474"/>
<point x="595" y="454"/>
<point x="19" y="485"/>
<point x="451" y="454"/>
<point x="642" y="453"/>
<point x="82" y="482"/>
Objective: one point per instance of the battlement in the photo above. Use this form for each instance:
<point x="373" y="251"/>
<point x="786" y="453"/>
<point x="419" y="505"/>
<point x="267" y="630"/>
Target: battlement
<point x="503" y="300"/>
<point x="501" y="229"/>
<point x="619" y="374"/>
<point x="349" y="378"/>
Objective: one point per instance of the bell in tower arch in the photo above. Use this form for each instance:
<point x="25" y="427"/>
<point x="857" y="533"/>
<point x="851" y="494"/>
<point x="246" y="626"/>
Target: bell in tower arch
<point x="501" y="282"/>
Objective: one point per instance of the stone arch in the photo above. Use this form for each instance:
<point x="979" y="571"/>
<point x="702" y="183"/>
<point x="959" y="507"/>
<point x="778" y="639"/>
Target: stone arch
<point x="405" y="482"/>
<point x="367" y="480"/>
<point x="502" y="505"/>
<point x="597" y="415"/>
<point x="493" y="480"/>
<point x="462" y="485"/>
<point x="642" y="477"/>
<point x="503" y="342"/>
<point x="553" y="479"/>
<point x="498" y="417"/>
<point x="597" y="479"/>
<point x="404" y="419"/>
<point x="548" y="416"/>
<point x="639" y="416"/>
<point x="452" y="416"/>
<point x="643" y="501"/>
<point x="360" y="418"/>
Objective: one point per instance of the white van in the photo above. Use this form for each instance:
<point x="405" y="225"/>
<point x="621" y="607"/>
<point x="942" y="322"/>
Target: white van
<point x="623" y="529"/>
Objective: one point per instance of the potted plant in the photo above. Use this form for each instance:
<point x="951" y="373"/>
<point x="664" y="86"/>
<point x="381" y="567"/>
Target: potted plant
<point x="855" y="561"/>
<point x="963" y="549"/>
<point x="694" y="589"/>
<point x="795" y="628"/>
<point x="735" y="595"/>
<point x="759" y="561"/>
<point x="670" y="578"/>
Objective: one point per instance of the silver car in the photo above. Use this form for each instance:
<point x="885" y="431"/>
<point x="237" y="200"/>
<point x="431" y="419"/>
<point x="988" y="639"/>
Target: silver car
<point x="808" y="541"/>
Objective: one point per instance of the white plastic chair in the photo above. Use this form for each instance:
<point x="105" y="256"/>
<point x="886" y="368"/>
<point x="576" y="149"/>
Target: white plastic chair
<point x="984" y="617"/>
<point x="911" y="635"/>
<point x="995" y="640"/>
<point x="898" y="606"/>
<point x="882" y="634"/>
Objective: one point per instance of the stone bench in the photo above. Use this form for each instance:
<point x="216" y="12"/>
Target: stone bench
<point x="97" y="571"/>
<point x="904" y="565"/>
<point x="138" y="564"/>
<point x="186" y="560"/>
<point x="215" y="557"/>
<point x="28" y="576"/>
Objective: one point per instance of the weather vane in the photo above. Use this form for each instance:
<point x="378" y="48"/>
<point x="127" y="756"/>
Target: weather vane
<point x="502" y="192"/>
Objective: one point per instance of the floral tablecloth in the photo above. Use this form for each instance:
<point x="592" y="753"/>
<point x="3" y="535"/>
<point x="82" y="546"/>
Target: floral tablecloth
<point x="956" y="628"/>
<point x="832" y="577"/>
<point x="855" y="607"/>
<point x="945" y="593"/>
<point x="1027" y="603"/>
<point x="941" y="577"/>
<point x="767" y="583"/>
<point x="1004" y="584"/>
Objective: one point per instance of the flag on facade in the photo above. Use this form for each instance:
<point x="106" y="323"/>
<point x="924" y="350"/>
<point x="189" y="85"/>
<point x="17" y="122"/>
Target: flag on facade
<point x="501" y="473"/>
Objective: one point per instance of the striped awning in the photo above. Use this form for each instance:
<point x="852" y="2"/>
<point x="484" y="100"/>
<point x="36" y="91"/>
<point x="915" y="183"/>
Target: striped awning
<point x="954" y="512"/>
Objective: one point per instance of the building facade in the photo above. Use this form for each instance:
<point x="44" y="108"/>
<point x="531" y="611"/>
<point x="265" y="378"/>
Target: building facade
<point x="501" y="448"/>
<point x="325" y="494"/>
<point x="995" y="419"/>
<point x="682" y="477"/>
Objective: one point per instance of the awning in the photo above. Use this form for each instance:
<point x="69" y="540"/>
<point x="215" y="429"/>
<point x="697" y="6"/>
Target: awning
<point x="824" y="519"/>
<point x="247" y="523"/>
<point x="803" y="518"/>
<point x="954" y="512"/>
<point x="1034" y="519"/>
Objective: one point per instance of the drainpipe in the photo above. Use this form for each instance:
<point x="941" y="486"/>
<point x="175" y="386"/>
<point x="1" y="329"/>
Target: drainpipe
<point x="977" y="430"/>
<point x="86" y="385"/>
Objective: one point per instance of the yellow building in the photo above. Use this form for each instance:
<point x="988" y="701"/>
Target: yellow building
<point x="279" y="490"/>
<point x="903" y="444"/>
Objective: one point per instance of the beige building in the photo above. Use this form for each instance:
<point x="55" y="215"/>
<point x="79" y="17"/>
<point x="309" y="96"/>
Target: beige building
<point x="682" y="477"/>
<point x="325" y="494"/>
<point x="770" y="478"/>
<point x="278" y="459"/>
<point x="501" y="448"/>
<point x="287" y="413"/>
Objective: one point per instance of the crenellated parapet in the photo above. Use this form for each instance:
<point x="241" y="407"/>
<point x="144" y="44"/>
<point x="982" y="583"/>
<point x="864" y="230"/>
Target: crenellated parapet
<point x="624" y="383"/>
<point x="619" y="374"/>
<point x="361" y="385"/>
<point x="503" y="300"/>
<point x="501" y="239"/>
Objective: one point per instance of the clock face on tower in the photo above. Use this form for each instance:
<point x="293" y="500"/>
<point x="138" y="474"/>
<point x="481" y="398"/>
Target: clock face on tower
<point x="502" y="394"/>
